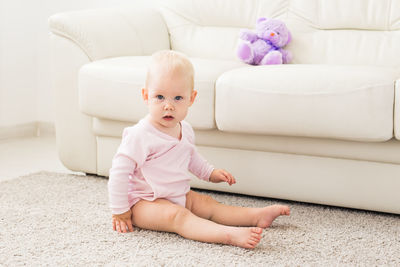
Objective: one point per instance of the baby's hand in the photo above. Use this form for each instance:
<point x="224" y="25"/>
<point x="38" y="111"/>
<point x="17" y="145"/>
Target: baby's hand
<point x="219" y="175"/>
<point x="122" y="222"/>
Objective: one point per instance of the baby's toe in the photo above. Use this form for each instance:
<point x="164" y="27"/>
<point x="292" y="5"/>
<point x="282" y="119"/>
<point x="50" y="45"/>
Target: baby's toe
<point x="256" y="230"/>
<point x="286" y="210"/>
<point x="252" y="244"/>
<point x="253" y="239"/>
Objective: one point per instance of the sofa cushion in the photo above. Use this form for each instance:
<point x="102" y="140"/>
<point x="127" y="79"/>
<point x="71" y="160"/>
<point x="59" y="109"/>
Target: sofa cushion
<point x="326" y="101"/>
<point x="111" y="89"/>
<point x="397" y="110"/>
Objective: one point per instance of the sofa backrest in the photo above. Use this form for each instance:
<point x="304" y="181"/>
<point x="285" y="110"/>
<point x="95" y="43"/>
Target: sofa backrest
<point x="324" y="31"/>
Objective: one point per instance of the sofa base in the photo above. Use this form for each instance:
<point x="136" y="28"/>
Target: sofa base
<point x="322" y="180"/>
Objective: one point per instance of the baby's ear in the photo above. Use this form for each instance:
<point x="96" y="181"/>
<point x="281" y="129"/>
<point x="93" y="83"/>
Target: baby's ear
<point x="193" y="96"/>
<point x="145" y="95"/>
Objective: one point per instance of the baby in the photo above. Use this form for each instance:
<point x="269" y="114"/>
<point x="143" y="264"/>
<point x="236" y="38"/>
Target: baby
<point x="149" y="180"/>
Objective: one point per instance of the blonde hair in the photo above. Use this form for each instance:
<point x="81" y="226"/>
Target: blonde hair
<point x="171" y="62"/>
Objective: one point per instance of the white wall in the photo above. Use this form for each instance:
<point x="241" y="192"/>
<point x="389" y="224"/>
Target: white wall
<point x="25" y="92"/>
<point x="18" y="58"/>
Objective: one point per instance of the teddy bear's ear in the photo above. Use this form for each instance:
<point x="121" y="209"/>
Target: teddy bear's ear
<point x="289" y="37"/>
<point x="261" y="19"/>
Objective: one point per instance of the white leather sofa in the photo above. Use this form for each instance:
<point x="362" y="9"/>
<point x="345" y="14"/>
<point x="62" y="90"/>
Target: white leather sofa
<point x="323" y="129"/>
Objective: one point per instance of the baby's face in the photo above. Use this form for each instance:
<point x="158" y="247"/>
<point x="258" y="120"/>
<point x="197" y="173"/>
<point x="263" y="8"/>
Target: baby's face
<point x="168" y="97"/>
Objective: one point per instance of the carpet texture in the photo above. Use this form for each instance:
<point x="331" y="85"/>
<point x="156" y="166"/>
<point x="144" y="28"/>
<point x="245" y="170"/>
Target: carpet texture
<point x="63" y="219"/>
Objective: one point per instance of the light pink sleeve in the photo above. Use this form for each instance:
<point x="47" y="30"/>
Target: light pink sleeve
<point x="131" y="153"/>
<point x="198" y="165"/>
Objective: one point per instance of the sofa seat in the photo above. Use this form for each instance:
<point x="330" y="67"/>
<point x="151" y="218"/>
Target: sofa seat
<point x="324" y="101"/>
<point x="111" y="89"/>
<point x="343" y="102"/>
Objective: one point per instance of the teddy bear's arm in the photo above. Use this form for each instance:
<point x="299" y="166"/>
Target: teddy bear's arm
<point x="286" y="56"/>
<point x="248" y="35"/>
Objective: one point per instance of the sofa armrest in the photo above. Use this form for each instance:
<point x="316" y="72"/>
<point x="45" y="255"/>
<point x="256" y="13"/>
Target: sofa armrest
<point x="113" y="32"/>
<point x="396" y="122"/>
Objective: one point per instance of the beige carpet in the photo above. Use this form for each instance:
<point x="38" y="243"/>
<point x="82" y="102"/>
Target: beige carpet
<point x="61" y="219"/>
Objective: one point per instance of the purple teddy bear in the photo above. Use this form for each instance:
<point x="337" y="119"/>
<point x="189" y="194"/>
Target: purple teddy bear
<point x="264" y="46"/>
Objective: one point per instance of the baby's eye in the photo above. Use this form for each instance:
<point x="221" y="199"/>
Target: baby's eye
<point x="178" y="97"/>
<point x="160" y="97"/>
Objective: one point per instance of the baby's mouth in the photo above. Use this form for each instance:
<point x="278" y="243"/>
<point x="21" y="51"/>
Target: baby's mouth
<point x="168" y="117"/>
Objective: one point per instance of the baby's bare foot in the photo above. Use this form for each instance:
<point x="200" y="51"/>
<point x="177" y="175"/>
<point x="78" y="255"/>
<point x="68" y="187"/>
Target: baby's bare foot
<point x="268" y="214"/>
<point x="245" y="237"/>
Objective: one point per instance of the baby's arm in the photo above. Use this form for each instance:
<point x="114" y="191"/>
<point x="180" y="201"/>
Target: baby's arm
<point x="202" y="169"/>
<point x="122" y="167"/>
<point x="130" y="155"/>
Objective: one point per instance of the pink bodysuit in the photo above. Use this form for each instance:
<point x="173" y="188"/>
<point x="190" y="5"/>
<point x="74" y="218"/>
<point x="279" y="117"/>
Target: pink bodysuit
<point x="150" y="164"/>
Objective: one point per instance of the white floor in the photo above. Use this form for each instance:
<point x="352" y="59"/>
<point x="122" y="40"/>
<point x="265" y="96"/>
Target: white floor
<point x="24" y="155"/>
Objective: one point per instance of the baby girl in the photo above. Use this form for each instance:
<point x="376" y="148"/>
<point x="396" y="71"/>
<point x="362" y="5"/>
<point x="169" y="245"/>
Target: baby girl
<point x="149" y="181"/>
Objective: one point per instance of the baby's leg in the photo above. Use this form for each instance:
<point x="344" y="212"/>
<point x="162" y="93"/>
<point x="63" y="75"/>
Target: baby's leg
<point x="208" y="208"/>
<point x="163" y="215"/>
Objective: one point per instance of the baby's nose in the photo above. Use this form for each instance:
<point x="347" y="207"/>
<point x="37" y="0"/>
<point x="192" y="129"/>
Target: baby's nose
<point x="168" y="106"/>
